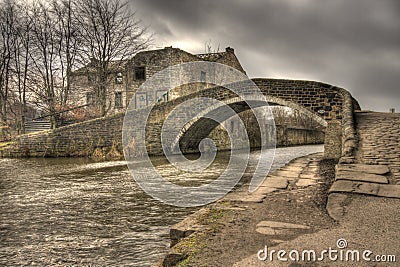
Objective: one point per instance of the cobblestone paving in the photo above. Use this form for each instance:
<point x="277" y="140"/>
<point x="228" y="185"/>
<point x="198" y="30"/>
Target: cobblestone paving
<point x="379" y="135"/>
<point x="298" y="173"/>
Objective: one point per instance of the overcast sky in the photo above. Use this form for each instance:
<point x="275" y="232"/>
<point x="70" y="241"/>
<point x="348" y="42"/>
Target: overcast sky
<point x="354" y="44"/>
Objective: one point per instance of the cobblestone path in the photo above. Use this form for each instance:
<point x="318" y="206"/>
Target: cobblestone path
<point x="379" y="140"/>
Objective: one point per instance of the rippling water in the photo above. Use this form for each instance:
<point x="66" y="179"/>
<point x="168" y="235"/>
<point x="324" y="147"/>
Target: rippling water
<point x="58" y="212"/>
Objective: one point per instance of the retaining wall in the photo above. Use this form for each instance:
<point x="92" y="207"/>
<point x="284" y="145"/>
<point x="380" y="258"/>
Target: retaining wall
<point x="101" y="138"/>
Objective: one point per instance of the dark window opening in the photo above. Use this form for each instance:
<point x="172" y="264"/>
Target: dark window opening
<point x="141" y="100"/>
<point x="203" y="76"/>
<point x="89" y="98"/>
<point x="91" y="78"/>
<point x="118" y="79"/>
<point x="140" y="73"/>
<point x="118" y="100"/>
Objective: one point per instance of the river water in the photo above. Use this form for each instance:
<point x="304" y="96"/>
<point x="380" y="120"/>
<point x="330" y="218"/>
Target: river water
<point x="77" y="212"/>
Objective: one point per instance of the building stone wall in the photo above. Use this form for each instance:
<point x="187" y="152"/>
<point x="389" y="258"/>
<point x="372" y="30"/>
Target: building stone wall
<point x="158" y="60"/>
<point x="83" y="82"/>
<point x="153" y="61"/>
<point x="99" y="136"/>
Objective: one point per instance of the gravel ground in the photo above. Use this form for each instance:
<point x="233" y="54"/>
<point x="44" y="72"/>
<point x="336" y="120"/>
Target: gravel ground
<point x="234" y="237"/>
<point x="371" y="223"/>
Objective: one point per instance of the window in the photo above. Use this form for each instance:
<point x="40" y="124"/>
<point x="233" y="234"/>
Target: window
<point x="118" y="79"/>
<point x="118" y="100"/>
<point x="89" y="98"/>
<point x="203" y="76"/>
<point x="91" y="78"/>
<point x="140" y="73"/>
<point x="141" y="100"/>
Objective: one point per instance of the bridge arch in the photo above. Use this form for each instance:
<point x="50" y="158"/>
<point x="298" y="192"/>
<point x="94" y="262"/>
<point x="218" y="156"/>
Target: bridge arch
<point x="201" y="126"/>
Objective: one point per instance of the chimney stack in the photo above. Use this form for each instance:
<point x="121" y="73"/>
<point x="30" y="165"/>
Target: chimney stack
<point x="230" y="50"/>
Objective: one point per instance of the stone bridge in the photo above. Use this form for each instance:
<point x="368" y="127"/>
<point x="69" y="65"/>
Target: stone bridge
<point x="329" y="105"/>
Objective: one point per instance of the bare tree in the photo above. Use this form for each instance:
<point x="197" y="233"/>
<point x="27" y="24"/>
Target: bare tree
<point x="22" y="46"/>
<point x="208" y="48"/>
<point x="304" y="121"/>
<point x="7" y="52"/>
<point x="15" y="41"/>
<point x="293" y="118"/>
<point x="44" y="56"/>
<point x="54" y="50"/>
<point x="69" y="40"/>
<point x="110" y="32"/>
<point x="41" y="43"/>
<point x="281" y="115"/>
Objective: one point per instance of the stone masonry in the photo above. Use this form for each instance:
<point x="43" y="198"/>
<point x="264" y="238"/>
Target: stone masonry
<point x="379" y="139"/>
<point x="323" y="101"/>
<point x="124" y="79"/>
<point x="375" y="169"/>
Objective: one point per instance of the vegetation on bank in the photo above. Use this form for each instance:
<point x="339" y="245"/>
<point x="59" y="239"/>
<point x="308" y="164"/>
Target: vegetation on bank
<point x="4" y="144"/>
<point x="194" y="243"/>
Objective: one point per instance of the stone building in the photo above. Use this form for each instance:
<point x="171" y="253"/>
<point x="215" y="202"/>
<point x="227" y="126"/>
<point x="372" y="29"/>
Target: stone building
<point x="83" y="93"/>
<point x="125" y="77"/>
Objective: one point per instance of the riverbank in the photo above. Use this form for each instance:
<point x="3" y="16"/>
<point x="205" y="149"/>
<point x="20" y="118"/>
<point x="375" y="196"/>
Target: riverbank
<point x="290" y="203"/>
<point x="249" y="230"/>
<point x="79" y="212"/>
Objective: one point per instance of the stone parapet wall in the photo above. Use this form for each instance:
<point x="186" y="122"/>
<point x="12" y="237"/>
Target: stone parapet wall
<point x="320" y="98"/>
<point x="101" y="138"/>
<point x="94" y="137"/>
<point x="349" y="136"/>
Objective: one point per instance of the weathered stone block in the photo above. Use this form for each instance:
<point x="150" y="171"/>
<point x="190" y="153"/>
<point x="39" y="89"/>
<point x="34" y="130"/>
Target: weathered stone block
<point x="276" y="182"/>
<point x="335" y="205"/>
<point x="354" y="187"/>
<point x="333" y="140"/>
<point x="361" y="176"/>
<point x="389" y="191"/>
<point x="366" y="168"/>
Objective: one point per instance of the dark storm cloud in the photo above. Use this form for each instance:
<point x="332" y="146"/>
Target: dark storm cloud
<point x="350" y="43"/>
